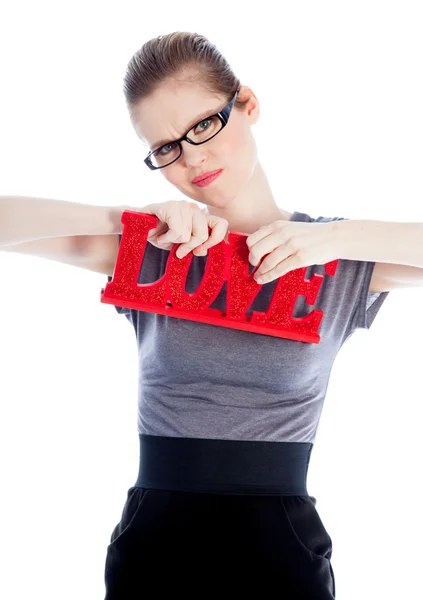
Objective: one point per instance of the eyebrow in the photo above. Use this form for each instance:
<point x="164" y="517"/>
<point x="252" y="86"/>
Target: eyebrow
<point x="198" y="118"/>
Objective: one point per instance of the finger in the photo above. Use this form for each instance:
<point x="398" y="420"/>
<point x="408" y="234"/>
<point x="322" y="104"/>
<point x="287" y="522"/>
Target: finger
<point x="219" y="228"/>
<point x="199" y="234"/>
<point x="263" y="247"/>
<point x="155" y="234"/>
<point x="258" y="235"/>
<point x="177" y="228"/>
<point x="289" y="264"/>
<point x="272" y="260"/>
<point x="158" y="231"/>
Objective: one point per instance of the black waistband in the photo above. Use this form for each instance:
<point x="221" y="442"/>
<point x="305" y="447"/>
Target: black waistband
<point x="223" y="466"/>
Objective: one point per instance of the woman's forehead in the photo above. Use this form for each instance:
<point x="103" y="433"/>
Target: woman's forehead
<point x="169" y="111"/>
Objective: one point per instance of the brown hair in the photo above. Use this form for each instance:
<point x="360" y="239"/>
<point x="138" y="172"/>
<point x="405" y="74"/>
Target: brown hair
<point x="184" y="55"/>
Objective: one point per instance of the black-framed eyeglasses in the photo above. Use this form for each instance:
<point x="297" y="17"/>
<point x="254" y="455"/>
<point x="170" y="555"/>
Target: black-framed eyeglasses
<point x="203" y="131"/>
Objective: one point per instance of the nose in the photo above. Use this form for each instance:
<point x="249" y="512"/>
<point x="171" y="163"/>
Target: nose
<point x="193" y="155"/>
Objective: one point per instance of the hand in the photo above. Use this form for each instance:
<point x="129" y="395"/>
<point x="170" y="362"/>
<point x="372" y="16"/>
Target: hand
<point x="289" y="245"/>
<point x="185" y="223"/>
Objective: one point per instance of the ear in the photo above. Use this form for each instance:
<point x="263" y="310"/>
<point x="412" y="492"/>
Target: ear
<point x="252" y="108"/>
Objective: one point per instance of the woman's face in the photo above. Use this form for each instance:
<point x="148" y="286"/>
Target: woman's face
<point x="171" y="110"/>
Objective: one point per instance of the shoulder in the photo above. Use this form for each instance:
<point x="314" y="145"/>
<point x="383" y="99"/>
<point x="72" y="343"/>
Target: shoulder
<point x="306" y="218"/>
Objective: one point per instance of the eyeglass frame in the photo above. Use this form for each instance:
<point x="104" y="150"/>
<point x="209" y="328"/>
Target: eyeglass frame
<point x="223" y="115"/>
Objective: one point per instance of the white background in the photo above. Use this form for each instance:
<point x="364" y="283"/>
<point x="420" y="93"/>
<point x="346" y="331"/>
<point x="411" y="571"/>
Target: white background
<point x="340" y="134"/>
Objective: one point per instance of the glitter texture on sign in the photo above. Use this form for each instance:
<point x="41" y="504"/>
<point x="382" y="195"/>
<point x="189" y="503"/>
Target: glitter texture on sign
<point x="225" y="262"/>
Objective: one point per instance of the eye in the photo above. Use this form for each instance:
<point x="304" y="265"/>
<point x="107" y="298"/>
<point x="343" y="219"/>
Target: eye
<point x="162" y="151"/>
<point x="203" y="125"/>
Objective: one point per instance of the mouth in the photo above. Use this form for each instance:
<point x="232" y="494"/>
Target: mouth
<point x="206" y="178"/>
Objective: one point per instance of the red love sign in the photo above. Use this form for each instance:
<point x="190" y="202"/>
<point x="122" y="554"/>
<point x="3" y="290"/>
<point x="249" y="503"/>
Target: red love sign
<point x="225" y="262"/>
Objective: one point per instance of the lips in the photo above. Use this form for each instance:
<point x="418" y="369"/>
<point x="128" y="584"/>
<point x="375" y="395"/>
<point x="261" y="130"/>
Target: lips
<point x="205" y="175"/>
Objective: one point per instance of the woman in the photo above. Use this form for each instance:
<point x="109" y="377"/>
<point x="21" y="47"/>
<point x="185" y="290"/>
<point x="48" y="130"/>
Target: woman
<point x="227" y="418"/>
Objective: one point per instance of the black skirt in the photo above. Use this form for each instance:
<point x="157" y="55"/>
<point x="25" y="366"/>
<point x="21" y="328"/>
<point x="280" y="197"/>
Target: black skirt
<point x="216" y="518"/>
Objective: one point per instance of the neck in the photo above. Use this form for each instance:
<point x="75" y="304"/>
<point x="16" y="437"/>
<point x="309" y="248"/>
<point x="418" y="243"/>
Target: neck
<point x="254" y="206"/>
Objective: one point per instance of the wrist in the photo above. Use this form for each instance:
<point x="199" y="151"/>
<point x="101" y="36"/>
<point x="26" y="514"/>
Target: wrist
<point x="114" y="215"/>
<point x="341" y="237"/>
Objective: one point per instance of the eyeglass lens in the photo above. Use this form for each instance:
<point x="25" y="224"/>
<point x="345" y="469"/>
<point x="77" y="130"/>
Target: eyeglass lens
<point x="201" y="132"/>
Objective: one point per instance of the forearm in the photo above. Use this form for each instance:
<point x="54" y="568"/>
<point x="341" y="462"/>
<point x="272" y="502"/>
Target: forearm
<point x="380" y="241"/>
<point x="24" y="219"/>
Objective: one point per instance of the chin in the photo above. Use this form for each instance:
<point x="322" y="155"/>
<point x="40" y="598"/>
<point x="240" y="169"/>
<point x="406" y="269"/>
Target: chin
<point x="218" y="200"/>
<point x="205" y="197"/>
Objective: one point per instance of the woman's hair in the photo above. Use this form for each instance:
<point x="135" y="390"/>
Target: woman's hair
<point x="179" y="56"/>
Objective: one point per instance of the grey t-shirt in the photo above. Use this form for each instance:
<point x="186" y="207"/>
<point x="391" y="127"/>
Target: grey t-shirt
<point x="207" y="381"/>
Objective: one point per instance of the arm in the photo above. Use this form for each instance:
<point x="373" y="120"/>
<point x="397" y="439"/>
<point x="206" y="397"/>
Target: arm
<point x="24" y="219"/>
<point x="381" y="241"/>
<point x="92" y="252"/>
<point x="397" y="249"/>
<point x="68" y="232"/>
